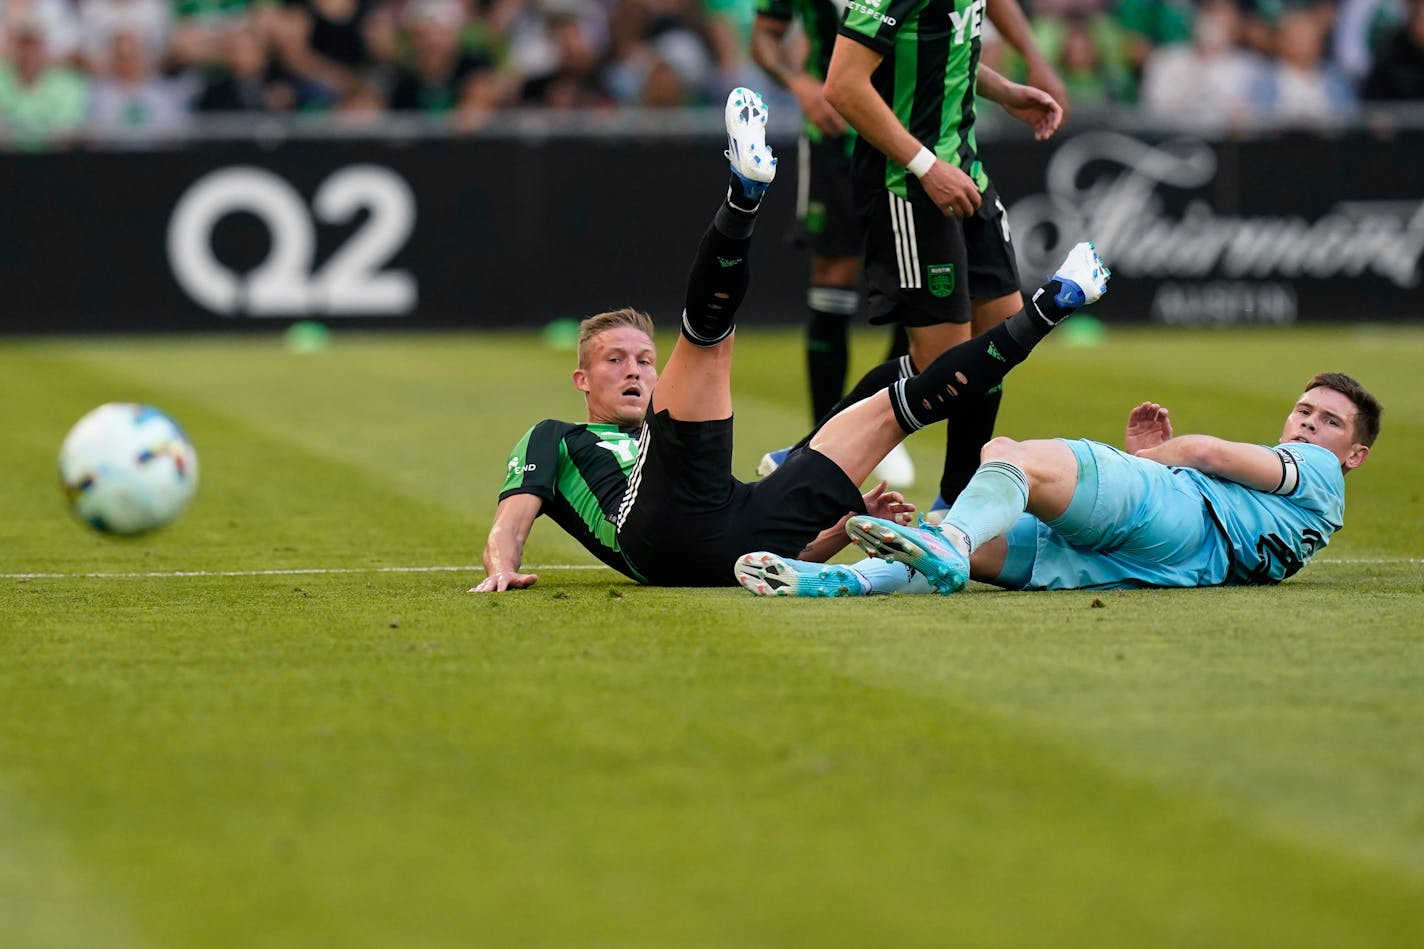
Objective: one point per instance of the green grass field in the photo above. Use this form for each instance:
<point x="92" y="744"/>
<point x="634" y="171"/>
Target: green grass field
<point x="283" y="722"/>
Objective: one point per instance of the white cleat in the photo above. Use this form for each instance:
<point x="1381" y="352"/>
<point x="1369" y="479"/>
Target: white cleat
<point x="751" y="160"/>
<point x="1083" y="275"/>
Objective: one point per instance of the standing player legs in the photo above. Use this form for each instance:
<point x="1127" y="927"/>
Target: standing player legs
<point x="832" y="301"/>
<point x="859" y="436"/>
<point x="972" y="424"/>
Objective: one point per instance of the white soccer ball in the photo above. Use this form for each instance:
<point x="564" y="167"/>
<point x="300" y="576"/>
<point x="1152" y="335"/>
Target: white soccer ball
<point x="127" y="468"/>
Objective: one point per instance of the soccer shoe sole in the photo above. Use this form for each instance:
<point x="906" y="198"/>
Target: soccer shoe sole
<point x="746" y="137"/>
<point x="766" y="574"/>
<point x="889" y="541"/>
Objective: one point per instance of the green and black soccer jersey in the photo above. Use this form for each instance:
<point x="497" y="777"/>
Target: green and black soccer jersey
<point x="820" y="19"/>
<point x="931" y="50"/>
<point x="581" y="473"/>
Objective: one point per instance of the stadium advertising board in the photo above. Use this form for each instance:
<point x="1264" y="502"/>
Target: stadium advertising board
<point x="509" y="232"/>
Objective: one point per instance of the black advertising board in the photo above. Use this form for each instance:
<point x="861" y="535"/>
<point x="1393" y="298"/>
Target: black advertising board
<point x="503" y="232"/>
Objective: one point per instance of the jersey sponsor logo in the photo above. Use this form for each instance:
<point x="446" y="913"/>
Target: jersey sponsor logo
<point x="729" y="261"/>
<point x="868" y="11"/>
<point x="626" y="450"/>
<point x="516" y="468"/>
<point x="969" y="21"/>
<point x="941" y="279"/>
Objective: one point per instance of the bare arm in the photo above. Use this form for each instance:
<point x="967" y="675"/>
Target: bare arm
<point x="1254" y="466"/>
<point x="1033" y="107"/>
<point x="513" y="520"/>
<point x="879" y="502"/>
<point x="770" y="52"/>
<point x="1008" y="18"/>
<point x="848" y="88"/>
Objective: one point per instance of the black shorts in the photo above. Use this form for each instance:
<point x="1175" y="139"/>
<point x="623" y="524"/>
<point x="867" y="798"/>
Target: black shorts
<point x="686" y="520"/>
<point x="924" y="268"/>
<point x="827" y="223"/>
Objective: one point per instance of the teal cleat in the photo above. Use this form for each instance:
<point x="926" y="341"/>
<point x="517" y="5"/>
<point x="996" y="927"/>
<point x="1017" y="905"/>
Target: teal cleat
<point x="923" y="548"/>
<point x="767" y="574"/>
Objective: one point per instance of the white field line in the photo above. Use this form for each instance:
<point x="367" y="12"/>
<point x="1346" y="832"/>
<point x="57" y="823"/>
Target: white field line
<point x="454" y="568"/>
<point x="293" y="572"/>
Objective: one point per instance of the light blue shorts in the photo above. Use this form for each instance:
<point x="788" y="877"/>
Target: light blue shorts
<point x="1131" y="523"/>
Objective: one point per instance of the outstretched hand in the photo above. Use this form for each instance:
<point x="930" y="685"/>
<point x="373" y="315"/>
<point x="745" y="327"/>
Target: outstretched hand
<point x="888" y="505"/>
<point x="507" y="580"/>
<point x="1147" y="427"/>
<point x="1034" y="107"/>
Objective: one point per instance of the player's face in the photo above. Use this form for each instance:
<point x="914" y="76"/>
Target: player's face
<point x="1326" y="418"/>
<point x="618" y="376"/>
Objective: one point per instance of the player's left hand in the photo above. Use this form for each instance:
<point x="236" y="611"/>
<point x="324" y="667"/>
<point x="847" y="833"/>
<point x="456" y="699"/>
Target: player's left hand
<point x="1035" y="108"/>
<point x="1147" y="427"/>
<point x="1042" y="76"/>
<point x="889" y="505"/>
<point x="505" y="580"/>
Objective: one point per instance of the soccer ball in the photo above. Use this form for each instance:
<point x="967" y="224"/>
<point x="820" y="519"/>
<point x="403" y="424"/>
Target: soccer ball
<point x="127" y="468"/>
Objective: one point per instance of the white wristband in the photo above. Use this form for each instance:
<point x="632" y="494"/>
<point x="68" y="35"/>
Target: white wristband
<point x="922" y="162"/>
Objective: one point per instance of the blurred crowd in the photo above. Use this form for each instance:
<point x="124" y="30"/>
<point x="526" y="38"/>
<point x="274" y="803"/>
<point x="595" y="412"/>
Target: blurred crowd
<point x="139" y="70"/>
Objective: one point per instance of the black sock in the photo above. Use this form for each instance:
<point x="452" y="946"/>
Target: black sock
<point x="739" y="199"/>
<point x="718" y="280"/>
<point x="963" y="374"/>
<point x="972" y="369"/>
<point x="970" y="425"/>
<point x="879" y="377"/>
<point x="827" y="344"/>
<point x="1044" y="303"/>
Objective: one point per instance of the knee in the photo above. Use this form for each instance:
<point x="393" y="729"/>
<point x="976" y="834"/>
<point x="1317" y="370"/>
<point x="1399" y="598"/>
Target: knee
<point x="1001" y="448"/>
<point x="836" y="272"/>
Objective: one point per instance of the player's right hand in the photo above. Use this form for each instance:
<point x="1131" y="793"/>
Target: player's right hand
<point x="505" y="580"/>
<point x="1148" y="425"/>
<point x="952" y="191"/>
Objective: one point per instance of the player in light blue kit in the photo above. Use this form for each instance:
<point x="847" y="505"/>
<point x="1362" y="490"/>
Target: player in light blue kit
<point x="1168" y="512"/>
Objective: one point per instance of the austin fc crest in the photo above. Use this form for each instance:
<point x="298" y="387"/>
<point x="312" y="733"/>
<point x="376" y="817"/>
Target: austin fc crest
<point x="941" y="279"/>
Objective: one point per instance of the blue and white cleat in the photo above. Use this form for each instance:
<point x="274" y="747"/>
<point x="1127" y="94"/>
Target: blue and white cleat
<point x="767" y="574"/>
<point x="923" y="548"/>
<point x="751" y="160"/>
<point x="771" y="461"/>
<point x="1083" y="275"/>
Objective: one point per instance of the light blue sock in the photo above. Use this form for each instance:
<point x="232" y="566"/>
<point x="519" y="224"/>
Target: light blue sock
<point x="887" y="576"/>
<point x="990" y="504"/>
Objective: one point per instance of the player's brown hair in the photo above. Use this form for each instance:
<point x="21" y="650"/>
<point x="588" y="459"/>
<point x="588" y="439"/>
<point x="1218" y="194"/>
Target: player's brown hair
<point x="602" y="322"/>
<point x="1367" y="408"/>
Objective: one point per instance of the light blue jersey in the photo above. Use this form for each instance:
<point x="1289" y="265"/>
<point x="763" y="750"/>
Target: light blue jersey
<point x="1137" y="523"/>
<point x="1273" y="535"/>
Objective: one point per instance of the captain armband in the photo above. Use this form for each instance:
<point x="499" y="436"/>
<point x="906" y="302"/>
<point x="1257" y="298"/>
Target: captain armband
<point x="1290" y="472"/>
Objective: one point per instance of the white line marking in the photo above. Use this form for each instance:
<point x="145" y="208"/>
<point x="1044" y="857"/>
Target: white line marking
<point x="461" y="568"/>
<point x="294" y="572"/>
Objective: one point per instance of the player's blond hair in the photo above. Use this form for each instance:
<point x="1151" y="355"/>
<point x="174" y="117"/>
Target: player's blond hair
<point x="602" y="322"/>
<point x="1367" y="408"/>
